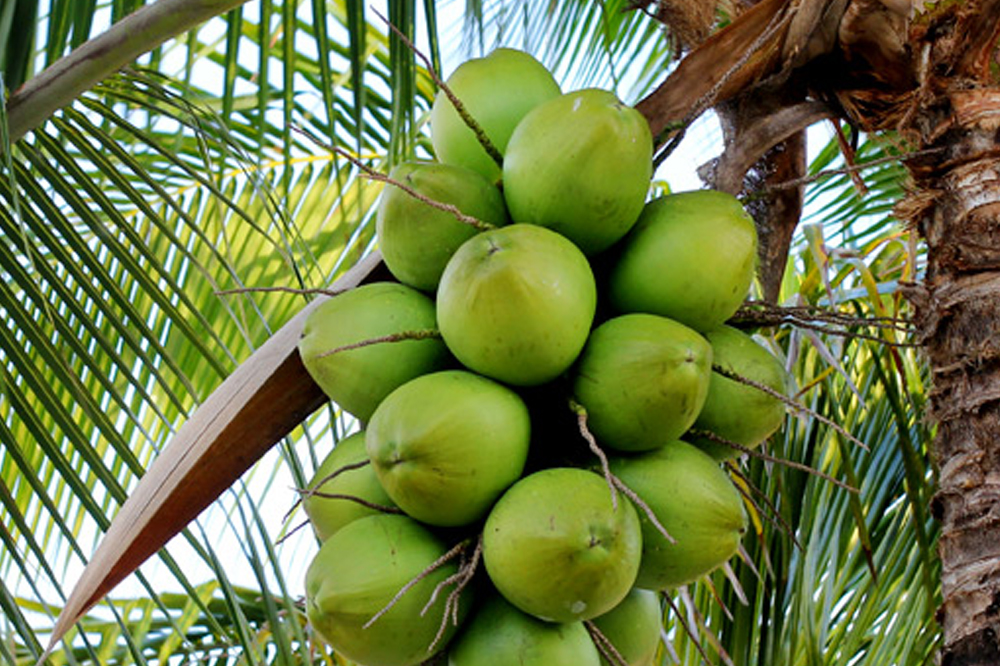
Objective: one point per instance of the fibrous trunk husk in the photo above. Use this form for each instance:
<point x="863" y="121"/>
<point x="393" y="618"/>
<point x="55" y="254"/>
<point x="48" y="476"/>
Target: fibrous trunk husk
<point x="956" y="207"/>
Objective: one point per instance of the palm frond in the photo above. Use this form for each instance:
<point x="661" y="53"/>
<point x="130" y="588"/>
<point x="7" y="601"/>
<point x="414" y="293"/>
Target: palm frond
<point x="123" y="218"/>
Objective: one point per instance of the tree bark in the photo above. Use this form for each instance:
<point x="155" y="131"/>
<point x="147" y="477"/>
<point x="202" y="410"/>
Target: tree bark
<point x="957" y="209"/>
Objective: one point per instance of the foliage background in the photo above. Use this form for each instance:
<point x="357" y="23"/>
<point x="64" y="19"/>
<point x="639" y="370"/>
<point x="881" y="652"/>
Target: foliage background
<point x="206" y="167"/>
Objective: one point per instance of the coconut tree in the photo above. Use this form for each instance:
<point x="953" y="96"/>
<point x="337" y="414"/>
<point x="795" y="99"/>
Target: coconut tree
<point x="163" y="221"/>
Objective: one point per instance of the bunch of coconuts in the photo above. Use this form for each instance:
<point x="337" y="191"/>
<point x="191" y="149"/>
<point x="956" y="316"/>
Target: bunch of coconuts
<point x="544" y="313"/>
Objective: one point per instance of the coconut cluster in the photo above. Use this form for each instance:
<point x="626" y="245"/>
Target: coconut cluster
<point x="545" y="314"/>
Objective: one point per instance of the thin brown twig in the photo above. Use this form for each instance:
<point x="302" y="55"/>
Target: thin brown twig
<point x="453" y="210"/>
<point x="765" y="314"/>
<point x="844" y="171"/>
<point x="778" y="395"/>
<point x="581" y="421"/>
<point x="423" y="334"/>
<point x="699" y="620"/>
<point x="307" y="492"/>
<point x="604" y="645"/>
<point x="382" y="178"/>
<point x="291" y="532"/>
<point x="615" y="484"/>
<point x="466" y="572"/>
<point x="855" y="335"/>
<point x="688" y="630"/>
<point x="287" y="290"/>
<point x="358" y="500"/>
<point x="820" y="313"/>
<point x="817" y="313"/>
<point x="773" y="514"/>
<point x="757" y="453"/>
<point x="455" y="551"/>
<point x="714" y="591"/>
<point x="463" y="112"/>
<point x="645" y="508"/>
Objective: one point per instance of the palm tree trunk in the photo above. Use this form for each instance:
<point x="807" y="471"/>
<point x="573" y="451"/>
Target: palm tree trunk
<point x="956" y="207"/>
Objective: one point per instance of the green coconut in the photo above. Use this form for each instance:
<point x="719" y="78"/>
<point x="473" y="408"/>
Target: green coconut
<point x="358" y="379"/>
<point x="498" y="634"/>
<point x="359" y="571"/>
<point x="556" y="548"/>
<point x="497" y="91"/>
<point x="329" y="514"/>
<point x="447" y="444"/>
<point x="691" y="257"/>
<point x="695" y="501"/>
<point x="734" y="411"/>
<point x="580" y="164"/>
<point x="643" y="380"/>
<point x="516" y="304"/>
<point x="633" y="627"/>
<point x="417" y="239"/>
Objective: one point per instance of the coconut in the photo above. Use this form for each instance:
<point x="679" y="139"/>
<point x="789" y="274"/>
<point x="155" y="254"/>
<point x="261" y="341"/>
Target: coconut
<point x="516" y="304"/>
<point x="580" y="164"/>
<point x="697" y="504"/>
<point x="417" y="239"/>
<point x="690" y="257"/>
<point x="556" y="548"/>
<point x="358" y="379"/>
<point x="642" y="379"/>
<point x="633" y="627"/>
<point x="359" y="571"/>
<point x="328" y="514"/>
<point x="447" y="444"/>
<point x="498" y="634"/>
<point x="497" y="91"/>
<point x="735" y="411"/>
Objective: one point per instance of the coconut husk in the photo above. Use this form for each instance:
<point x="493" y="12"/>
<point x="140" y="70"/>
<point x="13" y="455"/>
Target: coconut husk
<point x="689" y="21"/>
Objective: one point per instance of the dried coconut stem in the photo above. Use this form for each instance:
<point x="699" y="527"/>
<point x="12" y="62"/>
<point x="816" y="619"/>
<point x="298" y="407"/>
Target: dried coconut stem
<point x="308" y="492"/>
<point x="424" y="334"/>
<point x="363" y="502"/>
<point x="604" y="645"/>
<point x="371" y="173"/>
<point x="581" y="421"/>
<point x="291" y="532"/>
<point x="462" y="578"/>
<point x="431" y="568"/>
<point x="614" y="483"/>
<point x="847" y="170"/>
<point x="714" y="591"/>
<point x="811" y="318"/>
<point x="463" y="113"/>
<point x="645" y="508"/>
<point x="760" y="312"/>
<point x="474" y="222"/>
<point x="756" y="453"/>
<point x="778" y="395"/>
<point x="772" y="513"/>
<point x="688" y="630"/>
<point x="287" y="290"/>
